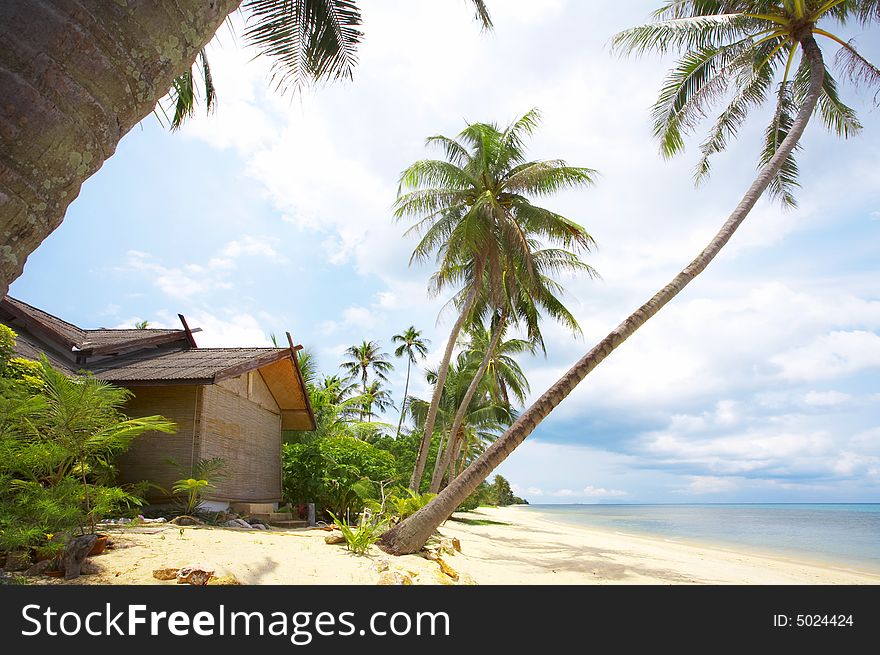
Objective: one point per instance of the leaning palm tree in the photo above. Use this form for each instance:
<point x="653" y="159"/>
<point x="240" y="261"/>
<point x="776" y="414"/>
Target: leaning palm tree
<point x="103" y="66"/>
<point x="474" y="211"/>
<point x="415" y="347"/>
<point x="737" y="45"/>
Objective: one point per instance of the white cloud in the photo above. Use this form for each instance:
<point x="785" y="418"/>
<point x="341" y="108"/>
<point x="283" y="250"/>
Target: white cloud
<point x="359" y="317"/>
<point x="232" y="329"/>
<point x="708" y="484"/>
<point x="195" y="279"/>
<point x="826" y="398"/>
<point x="600" y="492"/>
<point x="830" y="356"/>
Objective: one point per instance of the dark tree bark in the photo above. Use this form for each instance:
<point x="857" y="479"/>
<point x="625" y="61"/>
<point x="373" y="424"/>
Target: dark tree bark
<point x="75" y="77"/>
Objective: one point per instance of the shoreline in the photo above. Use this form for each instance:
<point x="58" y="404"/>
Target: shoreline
<point x="567" y="553"/>
<point x="735" y="548"/>
<point x="499" y="546"/>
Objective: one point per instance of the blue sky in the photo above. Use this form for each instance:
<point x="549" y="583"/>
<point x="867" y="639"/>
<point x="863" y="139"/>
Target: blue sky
<point x="759" y="383"/>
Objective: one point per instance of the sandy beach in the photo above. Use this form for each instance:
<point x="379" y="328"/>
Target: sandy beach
<point x="518" y="547"/>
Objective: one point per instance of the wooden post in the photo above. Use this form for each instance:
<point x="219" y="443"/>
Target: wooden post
<point x="189" y="334"/>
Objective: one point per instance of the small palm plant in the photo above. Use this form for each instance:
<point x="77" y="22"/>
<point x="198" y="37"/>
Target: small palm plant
<point x="364" y="533"/>
<point x="203" y="476"/>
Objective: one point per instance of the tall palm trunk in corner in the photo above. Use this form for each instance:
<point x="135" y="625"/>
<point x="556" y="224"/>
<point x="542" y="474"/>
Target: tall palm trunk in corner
<point x="424" y="446"/>
<point x="410" y="535"/>
<point x="447" y="455"/>
<point x="75" y="77"/>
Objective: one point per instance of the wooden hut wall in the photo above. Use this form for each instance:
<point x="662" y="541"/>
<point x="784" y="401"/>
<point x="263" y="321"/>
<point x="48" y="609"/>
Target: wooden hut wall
<point x="245" y="433"/>
<point x="147" y="457"/>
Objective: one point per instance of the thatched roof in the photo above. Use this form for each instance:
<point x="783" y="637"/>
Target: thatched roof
<point x="156" y="356"/>
<point x="186" y="364"/>
<point x="69" y="336"/>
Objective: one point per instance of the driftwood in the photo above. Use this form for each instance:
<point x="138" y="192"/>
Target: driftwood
<point x="75" y="554"/>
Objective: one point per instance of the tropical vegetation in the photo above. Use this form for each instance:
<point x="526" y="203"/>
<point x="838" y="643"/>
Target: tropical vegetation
<point x="58" y="440"/>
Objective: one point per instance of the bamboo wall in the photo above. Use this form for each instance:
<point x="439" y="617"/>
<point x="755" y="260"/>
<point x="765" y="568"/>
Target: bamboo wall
<point x="239" y="426"/>
<point x="147" y="457"/>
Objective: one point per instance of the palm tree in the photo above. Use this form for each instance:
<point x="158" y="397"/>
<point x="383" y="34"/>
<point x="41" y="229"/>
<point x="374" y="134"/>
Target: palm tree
<point x="103" y="67"/>
<point x="743" y="43"/>
<point x="376" y="396"/>
<point x="474" y="211"/>
<point x="495" y="371"/>
<point x="414" y="347"/>
<point x="365" y="357"/>
<point x="527" y="295"/>
<point x="485" y="417"/>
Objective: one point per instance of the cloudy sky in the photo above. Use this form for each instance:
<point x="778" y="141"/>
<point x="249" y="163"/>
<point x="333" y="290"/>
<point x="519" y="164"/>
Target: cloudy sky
<point x="760" y="383"/>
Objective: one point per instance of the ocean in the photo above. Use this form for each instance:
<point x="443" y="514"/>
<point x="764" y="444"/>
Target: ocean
<point x="838" y="534"/>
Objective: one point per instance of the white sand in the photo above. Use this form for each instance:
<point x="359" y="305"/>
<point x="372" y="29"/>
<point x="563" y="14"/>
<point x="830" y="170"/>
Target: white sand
<point x="530" y="550"/>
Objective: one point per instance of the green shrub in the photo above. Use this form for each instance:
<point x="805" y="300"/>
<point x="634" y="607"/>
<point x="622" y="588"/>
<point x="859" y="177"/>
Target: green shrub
<point x="338" y="474"/>
<point x="58" y="439"/>
<point x="399" y="503"/>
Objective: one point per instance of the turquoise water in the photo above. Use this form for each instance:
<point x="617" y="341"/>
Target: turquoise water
<point x="847" y="535"/>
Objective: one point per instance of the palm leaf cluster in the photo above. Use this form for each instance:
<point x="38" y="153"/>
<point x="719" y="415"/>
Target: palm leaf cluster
<point x="744" y="53"/>
<point x="306" y="41"/>
<point x="475" y="214"/>
<point x="484" y="420"/>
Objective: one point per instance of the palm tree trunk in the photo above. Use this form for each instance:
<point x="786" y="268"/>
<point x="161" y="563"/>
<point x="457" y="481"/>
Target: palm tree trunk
<point x="75" y="77"/>
<point x="439" y="450"/>
<point x="437" y="478"/>
<point x="459" y="463"/>
<point x="410" y="535"/>
<point x="424" y="446"/>
<point x="405" y="393"/>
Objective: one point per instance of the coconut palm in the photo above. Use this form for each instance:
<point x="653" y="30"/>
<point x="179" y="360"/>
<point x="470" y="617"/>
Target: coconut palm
<point x="506" y="382"/>
<point x="488" y="358"/>
<point x="366" y="357"/>
<point x="525" y="301"/>
<point x="376" y="397"/>
<point x="485" y="417"/>
<point x="740" y="45"/>
<point x="103" y="66"/>
<point x="415" y="347"/>
<point x="474" y="211"/>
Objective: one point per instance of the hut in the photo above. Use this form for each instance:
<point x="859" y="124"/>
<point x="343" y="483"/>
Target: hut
<point x="228" y="403"/>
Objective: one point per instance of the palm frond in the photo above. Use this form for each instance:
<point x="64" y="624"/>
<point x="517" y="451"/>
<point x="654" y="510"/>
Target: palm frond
<point x="836" y="115"/>
<point x="857" y="69"/>
<point x="306" y="40"/>
<point x="755" y="84"/>
<point x="691" y="33"/>
<point x="481" y="14"/>
<point x="782" y="186"/>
